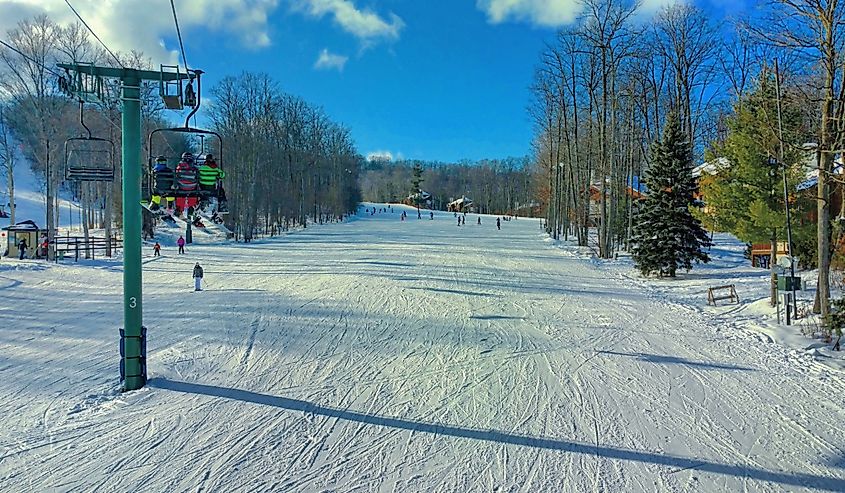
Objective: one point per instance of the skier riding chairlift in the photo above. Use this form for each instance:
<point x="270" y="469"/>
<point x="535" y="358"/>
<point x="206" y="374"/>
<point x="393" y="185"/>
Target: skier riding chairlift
<point x="164" y="184"/>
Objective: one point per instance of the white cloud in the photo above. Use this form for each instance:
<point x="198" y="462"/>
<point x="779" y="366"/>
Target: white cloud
<point x="381" y="156"/>
<point x="126" y="25"/>
<point x="329" y="61"/>
<point x="549" y="13"/>
<point x="364" y="24"/>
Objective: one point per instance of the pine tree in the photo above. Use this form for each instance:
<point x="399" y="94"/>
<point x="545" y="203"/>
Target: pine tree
<point x="416" y="192"/>
<point x="667" y="236"/>
<point x="417" y="179"/>
<point x="745" y="195"/>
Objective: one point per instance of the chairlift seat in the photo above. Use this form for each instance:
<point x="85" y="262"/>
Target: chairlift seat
<point x="89" y="159"/>
<point x="172" y="102"/>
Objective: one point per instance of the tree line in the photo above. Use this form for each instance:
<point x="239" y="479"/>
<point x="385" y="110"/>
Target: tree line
<point x="286" y="161"/>
<point x="496" y="186"/>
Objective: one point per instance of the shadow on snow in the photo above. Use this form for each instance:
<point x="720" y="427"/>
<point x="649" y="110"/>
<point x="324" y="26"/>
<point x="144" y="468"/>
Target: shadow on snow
<point x="495" y="436"/>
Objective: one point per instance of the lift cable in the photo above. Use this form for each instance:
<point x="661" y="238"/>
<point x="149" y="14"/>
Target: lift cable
<point x="19" y="52"/>
<point x="179" y="35"/>
<point x="119" y="63"/>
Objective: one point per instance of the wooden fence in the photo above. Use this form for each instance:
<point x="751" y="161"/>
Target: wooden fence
<point x="75" y="246"/>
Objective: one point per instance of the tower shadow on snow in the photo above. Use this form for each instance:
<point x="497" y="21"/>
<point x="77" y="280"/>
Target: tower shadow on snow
<point x="824" y="483"/>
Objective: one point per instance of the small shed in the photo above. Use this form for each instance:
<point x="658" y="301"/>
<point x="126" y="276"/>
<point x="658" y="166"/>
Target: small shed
<point x="761" y="253"/>
<point x="23" y="230"/>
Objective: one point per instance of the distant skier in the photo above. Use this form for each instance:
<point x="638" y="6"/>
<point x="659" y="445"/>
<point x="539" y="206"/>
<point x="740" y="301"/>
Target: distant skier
<point x="459" y="221"/>
<point x="402" y="217"/>
<point x="498" y="224"/>
<point x="479" y="220"/>
<point x="181" y="243"/>
<point x="157" y="250"/>
<point x="431" y="214"/>
<point x="197" y="277"/>
<point x="465" y="219"/>
<point x="22" y="246"/>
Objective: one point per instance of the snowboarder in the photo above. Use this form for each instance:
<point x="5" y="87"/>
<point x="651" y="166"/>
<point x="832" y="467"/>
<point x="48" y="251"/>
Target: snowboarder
<point x="197" y="277"/>
<point x="156" y="250"/>
<point x="22" y="248"/>
<point x="498" y="224"/>
<point x="181" y="243"/>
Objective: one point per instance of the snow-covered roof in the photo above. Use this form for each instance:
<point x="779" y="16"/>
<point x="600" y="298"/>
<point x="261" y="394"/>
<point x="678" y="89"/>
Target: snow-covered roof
<point x="461" y="201"/>
<point x="422" y="195"/>
<point x="711" y="167"/>
<point x="23" y="226"/>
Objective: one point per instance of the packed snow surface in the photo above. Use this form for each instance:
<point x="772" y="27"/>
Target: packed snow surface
<point x="390" y="356"/>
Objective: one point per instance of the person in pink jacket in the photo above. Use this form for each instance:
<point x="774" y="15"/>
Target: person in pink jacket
<point x="181" y="243"/>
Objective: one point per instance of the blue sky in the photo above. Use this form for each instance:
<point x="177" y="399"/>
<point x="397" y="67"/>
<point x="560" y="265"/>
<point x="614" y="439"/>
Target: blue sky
<point x="428" y="79"/>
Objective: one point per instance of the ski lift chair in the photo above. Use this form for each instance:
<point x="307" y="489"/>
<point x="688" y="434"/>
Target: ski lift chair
<point x="89" y="158"/>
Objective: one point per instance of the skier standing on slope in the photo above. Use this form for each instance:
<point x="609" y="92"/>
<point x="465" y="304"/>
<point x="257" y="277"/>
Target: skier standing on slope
<point x="431" y="214"/>
<point x="156" y="250"/>
<point x="459" y="221"/>
<point x="479" y="220"/>
<point x="498" y="224"/>
<point x="181" y="243"/>
<point x="197" y="277"/>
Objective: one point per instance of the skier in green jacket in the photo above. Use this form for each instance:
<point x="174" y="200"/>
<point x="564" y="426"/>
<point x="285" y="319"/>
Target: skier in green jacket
<point x="210" y="176"/>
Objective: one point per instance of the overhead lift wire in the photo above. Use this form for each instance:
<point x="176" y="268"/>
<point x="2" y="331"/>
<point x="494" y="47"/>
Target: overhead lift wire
<point x="119" y="63"/>
<point x="179" y="34"/>
<point x="19" y="52"/>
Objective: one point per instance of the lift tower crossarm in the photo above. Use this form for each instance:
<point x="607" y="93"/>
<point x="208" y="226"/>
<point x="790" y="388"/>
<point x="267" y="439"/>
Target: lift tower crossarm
<point x="123" y="73"/>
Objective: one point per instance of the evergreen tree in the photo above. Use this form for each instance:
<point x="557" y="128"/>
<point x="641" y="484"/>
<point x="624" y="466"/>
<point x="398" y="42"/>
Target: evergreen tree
<point x="745" y="195"/>
<point x="417" y="178"/>
<point x="667" y="236"/>
<point x="415" y="184"/>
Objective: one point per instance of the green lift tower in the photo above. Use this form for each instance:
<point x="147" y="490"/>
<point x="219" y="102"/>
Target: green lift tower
<point x="85" y="81"/>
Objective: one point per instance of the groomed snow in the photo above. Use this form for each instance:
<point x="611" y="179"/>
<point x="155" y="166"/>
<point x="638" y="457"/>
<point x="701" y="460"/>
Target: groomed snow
<point x="386" y="355"/>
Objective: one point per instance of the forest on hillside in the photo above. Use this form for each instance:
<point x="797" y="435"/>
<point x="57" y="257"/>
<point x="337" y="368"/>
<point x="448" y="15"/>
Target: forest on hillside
<point x="496" y="186"/>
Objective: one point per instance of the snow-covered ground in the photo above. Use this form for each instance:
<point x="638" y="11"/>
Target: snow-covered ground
<point x="387" y="355"/>
<point x="30" y="199"/>
<point x="753" y="316"/>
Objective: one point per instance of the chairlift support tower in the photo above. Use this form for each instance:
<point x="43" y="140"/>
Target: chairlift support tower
<point x="85" y="81"/>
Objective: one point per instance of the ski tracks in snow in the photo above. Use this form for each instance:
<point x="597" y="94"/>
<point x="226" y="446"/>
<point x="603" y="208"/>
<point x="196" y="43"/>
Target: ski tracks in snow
<point x="392" y="356"/>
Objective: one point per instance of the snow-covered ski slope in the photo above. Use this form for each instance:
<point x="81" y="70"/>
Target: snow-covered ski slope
<point x="392" y="356"/>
